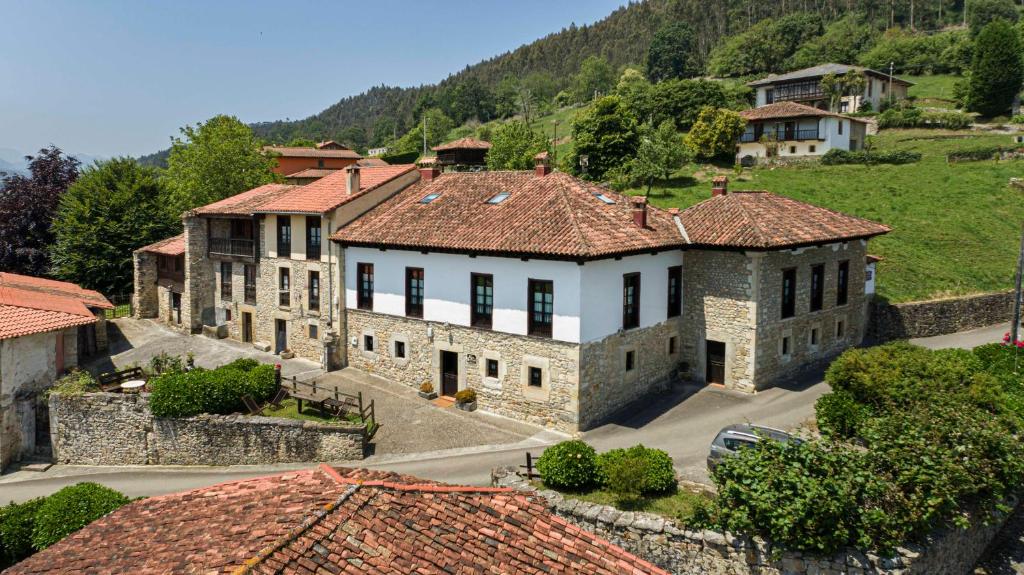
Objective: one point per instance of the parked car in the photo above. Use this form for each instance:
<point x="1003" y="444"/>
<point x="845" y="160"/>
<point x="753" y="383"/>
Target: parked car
<point x="739" y="436"/>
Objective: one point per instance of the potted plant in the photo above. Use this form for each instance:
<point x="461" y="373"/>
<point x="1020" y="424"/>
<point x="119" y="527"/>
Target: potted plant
<point x="427" y="391"/>
<point x="466" y="400"/>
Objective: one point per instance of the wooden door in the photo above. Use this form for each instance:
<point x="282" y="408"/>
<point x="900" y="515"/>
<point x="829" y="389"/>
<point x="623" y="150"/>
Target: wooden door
<point x="449" y="373"/>
<point x="715" y="362"/>
<point x="246" y="326"/>
<point x="176" y="307"/>
<point x="790" y="130"/>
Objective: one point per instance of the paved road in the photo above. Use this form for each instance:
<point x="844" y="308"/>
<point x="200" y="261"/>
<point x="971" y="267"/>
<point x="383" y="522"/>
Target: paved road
<point x="682" y="423"/>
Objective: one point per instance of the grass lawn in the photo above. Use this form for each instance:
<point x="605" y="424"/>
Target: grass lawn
<point x="679" y="506"/>
<point x="956" y="227"/>
<point x="934" y="91"/>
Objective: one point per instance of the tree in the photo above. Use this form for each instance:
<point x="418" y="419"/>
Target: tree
<point x="997" y="71"/>
<point x="114" y="208"/>
<point x="765" y="46"/>
<point x="301" y="143"/>
<point x="837" y="87"/>
<point x="438" y="126"/>
<point x="606" y="134"/>
<point x="714" y="134"/>
<point x="660" y="152"/>
<point x="513" y="146"/>
<point x="981" y="12"/>
<point x="215" y="160"/>
<point x="843" y="41"/>
<point x="27" y="205"/>
<point x="636" y="92"/>
<point x="595" y="78"/>
<point x="671" y="54"/>
<point x="682" y="100"/>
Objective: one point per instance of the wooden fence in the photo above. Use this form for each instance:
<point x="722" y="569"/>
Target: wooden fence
<point x="313" y="392"/>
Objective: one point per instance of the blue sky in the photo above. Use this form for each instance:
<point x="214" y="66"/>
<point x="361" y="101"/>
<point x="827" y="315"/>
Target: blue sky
<point x="119" y="78"/>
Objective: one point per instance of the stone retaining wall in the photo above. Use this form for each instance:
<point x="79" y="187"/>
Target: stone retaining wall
<point x="684" y="551"/>
<point x="119" y="429"/>
<point x="938" y="317"/>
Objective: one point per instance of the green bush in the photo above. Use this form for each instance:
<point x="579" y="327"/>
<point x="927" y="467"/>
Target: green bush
<point x="655" y="474"/>
<point x="568" y="465"/>
<point x="835" y="157"/>
<point x="917" y="118"/>
<point x="72" y="508"/>
<point x="978" y="154"/>
<point x="624" y="477"/>
<point x="218" y="391"/>
<point x="17" y="521"/>
<point x="75" y="383"/>
<point x="839" y="415"/>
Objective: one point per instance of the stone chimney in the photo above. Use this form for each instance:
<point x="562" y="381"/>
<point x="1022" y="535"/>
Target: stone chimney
<point x="639" y="211"/>
<point x="541" y="164"/>
<point x="352" y="179"/>
<point x="428" y="173"/>
<point x="719" y="186"/>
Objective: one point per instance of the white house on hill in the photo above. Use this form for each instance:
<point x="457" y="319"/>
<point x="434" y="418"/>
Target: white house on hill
<point x="789" y="129"/>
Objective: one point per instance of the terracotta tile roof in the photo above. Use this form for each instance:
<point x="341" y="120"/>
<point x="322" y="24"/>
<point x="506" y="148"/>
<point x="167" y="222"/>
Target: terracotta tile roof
<point x="331" y="521"/>
<point x="554" y="216"/>
<point x="790" y="110"/>
<point x="290" y="152"/>
<point x="25" y="312"/>
<point x="464" y="144"/>
<point x="90" y="298"/>
<point x="822" y="69"/>
<point x="331" y="145"/>
<point x="762" y="220"/>
<point x="330" y="191"/>
<point x="314" y="172"/>
<point x="245" y="203"/>
<point x="174" y="246"/>
<point x="372" y="162"/>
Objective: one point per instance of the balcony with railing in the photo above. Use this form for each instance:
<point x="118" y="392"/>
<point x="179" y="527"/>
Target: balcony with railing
<point x="795" y="92"/>
<point x="782" y="135"/>
<point x="233" y="247"/>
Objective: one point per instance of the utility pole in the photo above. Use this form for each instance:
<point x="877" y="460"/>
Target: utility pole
<point x="891" y="66"/>
<point x="424" y="135"/>
<point x="1015" y="328"/>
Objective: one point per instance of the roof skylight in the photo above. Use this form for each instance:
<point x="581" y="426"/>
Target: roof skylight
<point x="603" y="198"/>
<point x="498" y="198"/>
<point x="429" y="198"/>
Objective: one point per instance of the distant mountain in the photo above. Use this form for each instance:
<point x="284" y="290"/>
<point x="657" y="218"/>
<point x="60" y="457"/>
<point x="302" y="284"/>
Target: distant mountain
<point x="13" y="161"/>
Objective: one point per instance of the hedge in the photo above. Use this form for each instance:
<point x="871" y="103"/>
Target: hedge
<point x="917" y="118"/>
<point x="72" y="508"/>
<point x="568" y="465"/>
<point x="835" y="157"/>
<point x="218" y="391"/>
<point x="16" y="523"/>
<point x="654" y="468"/>
<point x="976" y="154"/>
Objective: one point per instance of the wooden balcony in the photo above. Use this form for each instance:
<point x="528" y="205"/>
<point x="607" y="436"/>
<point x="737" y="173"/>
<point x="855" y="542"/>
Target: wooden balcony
<point x="233" y="247"/>
<point x="783" y="135"/>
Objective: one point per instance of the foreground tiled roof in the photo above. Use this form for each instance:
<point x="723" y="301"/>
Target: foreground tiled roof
<point x="290" y="152"/>
<point x="90" y="298"/>
<point x="819" y="71"/>
<point x="464" y="144"/>
<point x="173" y="246"/>
<point x="25" y="312"/>
<point x="245" y="203"/>
<point x="331" y="191"/>
<point x="762" y="220"/>
<point x="335" y="521"/>
<point x="790" y="110"/>
<point x="554" y="215"/>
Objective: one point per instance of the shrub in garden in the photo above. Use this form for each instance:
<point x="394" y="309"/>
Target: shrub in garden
<point x="465" y="396"/>
<point x="16" y="523"/>
<point x="839" y="415"/>
<point x="624" y="476"/>
<point x="654" y="471"/>
<point x="568" y="465"/>
<point x="836" y="157"/>
<point x="75" y="383"/>
<point x="72" y="508"/>
<point x="183" y="394"/>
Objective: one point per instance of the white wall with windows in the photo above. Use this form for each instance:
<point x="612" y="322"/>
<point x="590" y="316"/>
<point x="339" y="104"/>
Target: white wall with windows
<point x="602" y="291"/>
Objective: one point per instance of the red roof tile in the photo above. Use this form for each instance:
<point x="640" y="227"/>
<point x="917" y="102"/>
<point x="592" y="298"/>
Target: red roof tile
<point x="314" y="172"/>
<point x="174" y="246"/>
<point x="790" y="110"/>
<point x="26" y="311"/>
<point x="554" y="215"/>
<point x="331" y="191"/>
<point x="90" y="298"/>
<point x="334" y="520"/>
<point x="762" y="220"/>
<point x="245" y="203"/>
<point x="372" y="162"/>
<point x="294" y="152"/>
<point x="463" y="144"/>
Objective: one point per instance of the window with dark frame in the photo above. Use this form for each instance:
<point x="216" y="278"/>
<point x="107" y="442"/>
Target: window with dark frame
<point x="227" y="314"/>
<point x="675" y="291"/>
<point x="284" y="287"/>
<point x="492" y="368"/>
<point x="482" y="309"/>
<point x="313" y="237"/>
<point x="225" y="281"/>
<point x="843" y="282"/>
<point x="314" y="331"/>
<point x="814" y="336"/>
<point x="630" y="360"/>
<point x="284" y="236"/>
<point x="672" y="345"/>
<point x="414" y="292"/>
<point x="788" y="293"/>
<point x="817" y="287"/>
<point x="630" y="300"/>
<point x="785" y="346"/>
<point x="840" y="329"/>
<point x="250" y="283"/>
<point x="364" y="286"/>
<point x="541" y="307"/>
<point x="536" y="377"/>
<point x="400" y="349"/>
<point x="368" y="342"/>
<point x="314" y="291"/>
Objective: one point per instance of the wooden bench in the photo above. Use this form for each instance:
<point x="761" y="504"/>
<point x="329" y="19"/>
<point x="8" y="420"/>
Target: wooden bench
<point x="112" y="381"/>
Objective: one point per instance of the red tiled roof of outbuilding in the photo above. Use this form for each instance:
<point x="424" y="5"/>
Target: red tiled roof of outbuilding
<point x="463" y="144"/>
<point x="331" y="191"/>
<point x="25" y="311"/>
<point x="301" y="152"/>
<point x="334" y="520"/>
<point x="173" y="246"/>
<point x="790" y="110"/>
<point x="90" y="298"/>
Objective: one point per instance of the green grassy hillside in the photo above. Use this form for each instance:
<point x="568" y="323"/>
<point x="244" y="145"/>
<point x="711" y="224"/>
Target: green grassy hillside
<point x="955" y="226"/>
<point x="934" y="91"/>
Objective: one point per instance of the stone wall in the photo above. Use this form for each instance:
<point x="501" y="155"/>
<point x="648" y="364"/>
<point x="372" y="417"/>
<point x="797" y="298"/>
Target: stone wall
<point x="197" y="299"/>
<point x="555" y="404"/>
<point x="144" y="298"/>
<point x="938" y="317"/>
<point x="685" y="551"/>
<point x="119" y="429"/>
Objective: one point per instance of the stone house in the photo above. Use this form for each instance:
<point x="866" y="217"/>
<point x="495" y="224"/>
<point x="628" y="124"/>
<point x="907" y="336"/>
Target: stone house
<point x="254" y="267"/>
<point x="46" y="328"/>
<point x="804" y="86"/>
<point x="790" y="129"/>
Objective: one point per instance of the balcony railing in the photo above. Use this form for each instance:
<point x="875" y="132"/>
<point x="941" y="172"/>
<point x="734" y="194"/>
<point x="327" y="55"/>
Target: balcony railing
<point x="233" y="247"/>
<point x="783" y="135"/>
<point x="793" y="92"/>
<point x="250" y="294"/>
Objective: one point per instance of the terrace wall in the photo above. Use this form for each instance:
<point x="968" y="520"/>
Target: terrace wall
<point x="938" y="317"/>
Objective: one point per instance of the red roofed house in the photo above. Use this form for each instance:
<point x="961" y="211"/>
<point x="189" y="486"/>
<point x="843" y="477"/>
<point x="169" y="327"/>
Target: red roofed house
<point x="560" y="302"/>
<point x="791" y="129"/>
<point x="329" y="155"/>
<point x="46" y="326"/>
<point x="255" y="265"/>
<point x="327" y="520"/>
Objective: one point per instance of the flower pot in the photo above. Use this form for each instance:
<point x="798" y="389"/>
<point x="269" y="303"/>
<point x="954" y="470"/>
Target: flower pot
<point x="470" y="406"/>
<point x="428" y="395"/>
